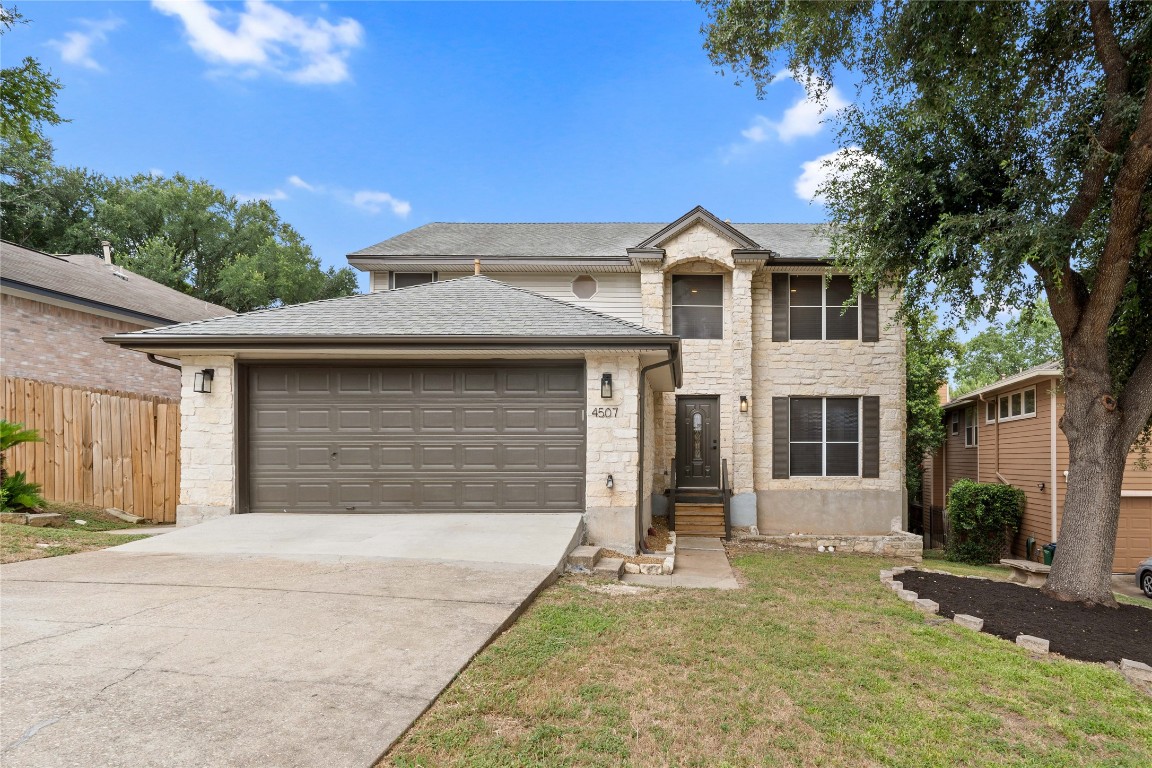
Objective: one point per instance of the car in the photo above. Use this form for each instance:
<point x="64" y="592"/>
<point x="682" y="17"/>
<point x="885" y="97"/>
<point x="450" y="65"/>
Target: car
<point x="1144" y="576"/>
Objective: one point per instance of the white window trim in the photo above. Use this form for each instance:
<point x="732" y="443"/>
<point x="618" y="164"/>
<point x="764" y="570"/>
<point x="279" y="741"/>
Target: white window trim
<point x="1008" y="396"/>
<point x="392" y="277"/>
<point x="824" y="441"/>
<point x="824" y="309"/>
<point x="955" y="423"/>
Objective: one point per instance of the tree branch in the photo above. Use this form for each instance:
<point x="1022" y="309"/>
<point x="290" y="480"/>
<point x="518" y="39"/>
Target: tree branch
<point x="1136" y="399"/>
<point x="1125" y="218"/>
<point x="1108" y="137"/>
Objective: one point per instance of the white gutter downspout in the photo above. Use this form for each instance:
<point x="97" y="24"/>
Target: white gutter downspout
<point x="1052" y="453"/>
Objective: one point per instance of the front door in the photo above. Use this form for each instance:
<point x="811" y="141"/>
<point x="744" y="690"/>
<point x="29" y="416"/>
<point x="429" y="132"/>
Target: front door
<point x="698" y="442"/>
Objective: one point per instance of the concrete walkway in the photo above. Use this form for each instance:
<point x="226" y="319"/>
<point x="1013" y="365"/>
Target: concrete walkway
<point x="701" y="563"/>
<point x="258" y="640"/>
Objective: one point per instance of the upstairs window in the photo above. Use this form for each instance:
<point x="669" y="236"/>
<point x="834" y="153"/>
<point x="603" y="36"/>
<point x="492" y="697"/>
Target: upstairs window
<point x="698" y="306"/>
<point x="816" y="309"/>
<point x="971" y="436"/>
<point x="409" y="279"/>
<point x="1018" y="405"/>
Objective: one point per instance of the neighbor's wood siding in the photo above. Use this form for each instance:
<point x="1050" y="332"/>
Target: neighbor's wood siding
<point x="99" y="447"/>
<point x="960" y="462"/>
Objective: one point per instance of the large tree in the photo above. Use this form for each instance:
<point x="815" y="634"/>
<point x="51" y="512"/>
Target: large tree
<point x="994" y="152"/>
<point x="1030" y="338"/>
<point x="931" y="350"/>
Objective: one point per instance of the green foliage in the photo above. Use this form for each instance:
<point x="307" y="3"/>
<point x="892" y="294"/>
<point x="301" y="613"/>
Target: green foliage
<point x="929" y="352"/>
<point x="1029" y="339"/>
<point x="12" y="435"/>
<point x="16" y="493"/>
<point x="979" y="515"/>
<point x="27" y="94"/>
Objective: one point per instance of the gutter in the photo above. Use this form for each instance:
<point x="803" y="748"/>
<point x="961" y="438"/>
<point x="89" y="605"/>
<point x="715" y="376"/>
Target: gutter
<point x="673" y="358"/>
<point x="146" y="341"/>
<point x="153" y="359"/>
<point x="1052" y="453"/>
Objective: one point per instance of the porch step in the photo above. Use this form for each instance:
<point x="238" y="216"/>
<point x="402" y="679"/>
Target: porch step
<point x="583" y="559"/>
<point x="699" y="509"/>
<point x="608" y="568"/>
<point x="699" y="519"/>
<point x="692" y="529"/>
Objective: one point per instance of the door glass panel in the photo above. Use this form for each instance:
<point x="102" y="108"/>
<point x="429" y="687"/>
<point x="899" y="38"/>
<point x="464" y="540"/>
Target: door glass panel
<point x="697" y="437"/>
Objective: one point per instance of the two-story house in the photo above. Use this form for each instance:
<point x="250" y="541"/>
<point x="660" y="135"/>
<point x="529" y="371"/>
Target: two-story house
<point x="559" y="367"/>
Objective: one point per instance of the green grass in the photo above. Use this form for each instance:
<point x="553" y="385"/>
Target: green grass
<point x="814" y="663"/>
<point x="94" y="518"/>
<point x="24" y="542"/>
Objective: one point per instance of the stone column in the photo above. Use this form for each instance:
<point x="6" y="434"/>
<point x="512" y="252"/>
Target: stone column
<point x="652" y="296"/>
<point x="207" y="442"/>
<point x="613" y="448"/>
<point x="743" y="458"/>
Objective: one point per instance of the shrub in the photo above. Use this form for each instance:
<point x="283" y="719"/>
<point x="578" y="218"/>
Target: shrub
<point x="15" y="491"/>
<point x="981" y="517"/>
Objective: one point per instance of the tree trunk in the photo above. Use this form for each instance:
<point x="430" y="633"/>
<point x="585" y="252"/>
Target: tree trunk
<point x="1097" y="451"/>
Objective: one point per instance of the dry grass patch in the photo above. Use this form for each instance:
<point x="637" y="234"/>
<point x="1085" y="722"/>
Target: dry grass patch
<point x="25" y="542"/>
<point x="814" y="663"/>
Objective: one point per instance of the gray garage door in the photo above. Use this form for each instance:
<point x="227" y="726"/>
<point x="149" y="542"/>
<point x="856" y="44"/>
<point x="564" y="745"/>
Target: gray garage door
<point x="416" y="439"/>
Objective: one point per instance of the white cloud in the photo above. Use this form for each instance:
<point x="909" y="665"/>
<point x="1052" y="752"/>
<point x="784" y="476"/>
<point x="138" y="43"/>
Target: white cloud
<point x="266" y="38"/>
<point x="76" y="46"/>
<point x="804" y="118"/>
<point x="815" y="173"/>
<point x="299" y="183"/>
<point x="374" y="202"/>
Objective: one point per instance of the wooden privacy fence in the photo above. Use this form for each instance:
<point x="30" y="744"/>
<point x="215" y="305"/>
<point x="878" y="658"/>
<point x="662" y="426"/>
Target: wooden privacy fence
<point x="99" y="447"/>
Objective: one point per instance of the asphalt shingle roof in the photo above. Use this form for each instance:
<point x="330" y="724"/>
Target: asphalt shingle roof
<point x="574" y="240"/>
<point x="474" y="306"/>
<point x="90" y="279"/>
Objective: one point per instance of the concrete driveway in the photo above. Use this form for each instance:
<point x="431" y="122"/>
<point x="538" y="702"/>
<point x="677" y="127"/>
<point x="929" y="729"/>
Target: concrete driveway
<point x="258" y="640"/>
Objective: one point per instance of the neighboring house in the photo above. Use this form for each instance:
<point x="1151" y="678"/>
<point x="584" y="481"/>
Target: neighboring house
<point x="1009" y="432"/>
<point x="56" y="310"/>
<point x="585" y="366"/>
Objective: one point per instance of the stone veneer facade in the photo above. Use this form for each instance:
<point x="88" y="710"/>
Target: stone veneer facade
<point x="747" y="362"/>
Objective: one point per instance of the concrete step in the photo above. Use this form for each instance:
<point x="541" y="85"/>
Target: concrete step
<point x="584" y="558"/>
<point x="609" y="568"/>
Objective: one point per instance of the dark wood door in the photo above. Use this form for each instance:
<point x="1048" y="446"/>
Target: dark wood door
<point x="698" y="442"/>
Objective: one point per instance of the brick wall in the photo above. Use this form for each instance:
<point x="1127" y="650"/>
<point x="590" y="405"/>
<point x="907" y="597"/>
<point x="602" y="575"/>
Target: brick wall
<point x="50" y="343"/>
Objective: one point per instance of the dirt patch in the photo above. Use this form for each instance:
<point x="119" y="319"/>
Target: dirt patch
<point x="1008" y="610"/>
<point x="650" y="559"/>
<point x="658" y="538"/>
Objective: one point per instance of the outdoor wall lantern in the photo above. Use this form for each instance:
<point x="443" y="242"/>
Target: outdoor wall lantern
<point x="606" y="385"/>
<point x="202" y="380"/>
<point x="743" y="403"/>
<point x="610" y="482"/>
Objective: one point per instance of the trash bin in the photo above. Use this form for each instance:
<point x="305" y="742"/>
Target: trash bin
<point x="1049" y="553"/>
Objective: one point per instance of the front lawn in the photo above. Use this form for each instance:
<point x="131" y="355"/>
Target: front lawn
<point x="815" y="663"/>
<point x="83" y="531"/>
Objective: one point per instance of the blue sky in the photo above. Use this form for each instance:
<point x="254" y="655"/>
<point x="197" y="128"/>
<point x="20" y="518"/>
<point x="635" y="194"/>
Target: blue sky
<point x="362" y="120"/>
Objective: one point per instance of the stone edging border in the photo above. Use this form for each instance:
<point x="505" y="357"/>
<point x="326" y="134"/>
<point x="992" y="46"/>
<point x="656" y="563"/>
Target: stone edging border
<point x="657" y="569"/>
<point x="1134" y="671"/>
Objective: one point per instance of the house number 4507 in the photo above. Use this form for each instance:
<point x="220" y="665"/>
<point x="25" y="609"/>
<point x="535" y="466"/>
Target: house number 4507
<point x="605" y="413"/>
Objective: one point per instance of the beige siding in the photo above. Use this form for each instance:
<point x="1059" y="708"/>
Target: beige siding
<point x="959" y="461"/>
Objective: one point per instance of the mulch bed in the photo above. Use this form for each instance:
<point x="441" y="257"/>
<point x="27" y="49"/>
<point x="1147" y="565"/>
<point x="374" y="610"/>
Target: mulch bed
<point x="1008" y="610"/>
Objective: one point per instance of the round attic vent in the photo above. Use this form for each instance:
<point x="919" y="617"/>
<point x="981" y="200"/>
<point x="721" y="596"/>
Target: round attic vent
<point x="584" y="287"/>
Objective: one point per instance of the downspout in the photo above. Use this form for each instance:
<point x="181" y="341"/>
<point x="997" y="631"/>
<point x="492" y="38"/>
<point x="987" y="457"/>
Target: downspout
<point x="999" y="476"/>
<point x="1052" y="453"/>
<point x="640" y="438"/>
<point x="153" y="359"/>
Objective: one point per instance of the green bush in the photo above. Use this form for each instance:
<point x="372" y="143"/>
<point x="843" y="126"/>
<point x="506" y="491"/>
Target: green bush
<point x="16" y="492"/>
<point x="981" y="518"/>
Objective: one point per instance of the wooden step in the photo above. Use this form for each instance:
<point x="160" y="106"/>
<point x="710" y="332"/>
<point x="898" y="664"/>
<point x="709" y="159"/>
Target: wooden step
<point x="710" y="531"/>
<point x="700" y="509"/>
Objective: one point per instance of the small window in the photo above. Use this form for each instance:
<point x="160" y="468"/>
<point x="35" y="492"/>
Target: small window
<point x="584" y="287"/>
<point x="824" y="436"/>
<point x="991" y="411"/>
<point x="955" y="422"/>
<point x="698" y="306"/>
<point x="409" y="279"/>
<point x="970" y="429"/>
<point x="816" y="309"/>
<point x="1018" y="405"/>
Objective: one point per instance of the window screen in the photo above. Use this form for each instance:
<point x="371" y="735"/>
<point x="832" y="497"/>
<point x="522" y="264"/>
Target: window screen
<point x="816" y="310"/>
<point x="408" y="279"/>
<point x="824" y="436"/>
<point x="698" y="306"/>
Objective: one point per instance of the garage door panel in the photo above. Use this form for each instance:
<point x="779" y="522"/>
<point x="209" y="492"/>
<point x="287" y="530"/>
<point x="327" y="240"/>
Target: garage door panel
<point x="416" y="439"/>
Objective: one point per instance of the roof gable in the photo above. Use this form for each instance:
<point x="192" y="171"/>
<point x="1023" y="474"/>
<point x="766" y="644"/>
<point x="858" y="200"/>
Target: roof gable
<point x="474" y="307"/>
<point x="698" y="215"/>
